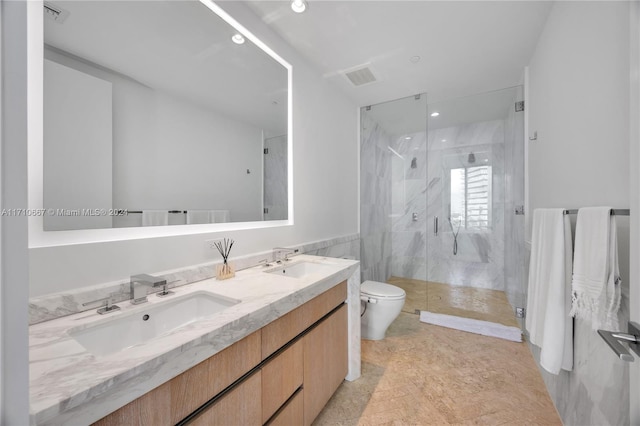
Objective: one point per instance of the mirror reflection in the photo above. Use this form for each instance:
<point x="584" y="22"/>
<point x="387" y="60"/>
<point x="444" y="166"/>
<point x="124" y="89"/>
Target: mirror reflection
<point x="159" y="113"/>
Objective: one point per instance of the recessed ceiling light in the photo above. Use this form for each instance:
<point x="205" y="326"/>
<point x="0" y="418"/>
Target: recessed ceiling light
<point x="298" y="6"/>
<point x="435" y="114"/>
<point x="238" y="38"/>
<point x="415" y="59"/>
<point x="443" y="140"/>
<point x="407" y="138"/>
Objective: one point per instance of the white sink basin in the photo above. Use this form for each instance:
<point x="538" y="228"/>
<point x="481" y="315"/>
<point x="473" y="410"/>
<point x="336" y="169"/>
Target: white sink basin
<point x="300" y="269"/>
<point x="119" y="332"/>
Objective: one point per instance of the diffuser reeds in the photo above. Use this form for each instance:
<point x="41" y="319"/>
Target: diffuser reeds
<point x="226" y="270"/>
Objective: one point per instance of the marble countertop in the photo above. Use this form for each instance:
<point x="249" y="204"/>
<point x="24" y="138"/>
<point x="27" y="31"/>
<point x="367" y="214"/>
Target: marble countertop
<point x="69" y="385"/>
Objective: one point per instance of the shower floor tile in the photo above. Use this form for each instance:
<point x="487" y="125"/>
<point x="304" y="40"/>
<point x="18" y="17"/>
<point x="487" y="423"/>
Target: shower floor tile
<point x="468" y="302"/>
<point x="422" y="374"/>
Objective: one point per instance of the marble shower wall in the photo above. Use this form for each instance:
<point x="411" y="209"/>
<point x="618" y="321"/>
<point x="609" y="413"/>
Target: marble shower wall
<point x="409" y="193"/>
<point x="420" y="254"/>
<point x="375" y="200"/>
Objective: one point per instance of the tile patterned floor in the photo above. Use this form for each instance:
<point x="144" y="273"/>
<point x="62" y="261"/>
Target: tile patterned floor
<point x="422" y="374"/>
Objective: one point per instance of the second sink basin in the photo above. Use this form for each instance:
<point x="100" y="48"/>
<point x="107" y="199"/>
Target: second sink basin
<point x="300" y="269"/>
<point x="114" y="334"/>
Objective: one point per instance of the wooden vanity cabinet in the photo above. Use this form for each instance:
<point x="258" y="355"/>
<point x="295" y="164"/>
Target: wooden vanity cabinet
<point x="282" y="374"/>
<point x="277" y="333"/>
<point x="325" y="362"/>
<point x="173" y="401"/>
<point x="199" y="384"/>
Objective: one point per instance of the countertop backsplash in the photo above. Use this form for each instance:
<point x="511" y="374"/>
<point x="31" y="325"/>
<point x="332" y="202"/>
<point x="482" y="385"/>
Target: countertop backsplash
<point x="51" y="306"/>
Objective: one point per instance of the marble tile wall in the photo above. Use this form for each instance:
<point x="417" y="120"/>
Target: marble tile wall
<point x="596" y="392"/>
<point x="479" y="261"/>
<point x="409" y="221"/>
<point x="375" y="200"/>
<point x="56" y="305"/>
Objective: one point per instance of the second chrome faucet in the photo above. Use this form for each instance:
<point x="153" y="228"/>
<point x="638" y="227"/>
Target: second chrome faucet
<point x="141" y="284"/>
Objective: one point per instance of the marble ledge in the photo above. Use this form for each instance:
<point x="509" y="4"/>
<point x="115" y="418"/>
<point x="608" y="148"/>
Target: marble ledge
<point x="56" y="305"/>
<point x="70" y="385"/>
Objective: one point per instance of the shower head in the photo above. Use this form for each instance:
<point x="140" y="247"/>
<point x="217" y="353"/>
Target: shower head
<point x="472" y="158"/>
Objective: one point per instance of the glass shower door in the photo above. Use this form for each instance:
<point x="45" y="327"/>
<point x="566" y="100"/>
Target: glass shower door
<point x="274" y="191"/>
<point x="475" y="181"/>
<point x="393" y="170"/>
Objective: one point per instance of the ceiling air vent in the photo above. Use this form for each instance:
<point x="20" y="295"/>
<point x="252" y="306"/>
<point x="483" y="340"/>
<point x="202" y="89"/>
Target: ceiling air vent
<point x="55" y="13"/>
<point x="361" y="76"/>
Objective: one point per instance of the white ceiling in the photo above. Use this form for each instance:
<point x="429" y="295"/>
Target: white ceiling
<point x="465" y="47"/>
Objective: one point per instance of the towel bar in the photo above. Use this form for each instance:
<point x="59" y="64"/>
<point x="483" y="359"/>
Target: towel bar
<point x="616" y="212"/>
<point x="140" y="211"/>
<point x="613" y="339"/>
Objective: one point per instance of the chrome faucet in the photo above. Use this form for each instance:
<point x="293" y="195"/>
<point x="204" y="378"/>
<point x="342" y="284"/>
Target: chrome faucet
<point x="107" y="306"/>
<point x="140" y="285"/>
<point x="286" y="250"/>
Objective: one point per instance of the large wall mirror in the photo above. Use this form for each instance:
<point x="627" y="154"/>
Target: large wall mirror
<point x="160" y="113"/>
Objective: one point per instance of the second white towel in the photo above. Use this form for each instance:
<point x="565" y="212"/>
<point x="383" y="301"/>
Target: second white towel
<point x="596" y="276"/>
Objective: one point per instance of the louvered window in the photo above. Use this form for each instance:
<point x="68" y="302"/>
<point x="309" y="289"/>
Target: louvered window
<point x="471" y="197"/>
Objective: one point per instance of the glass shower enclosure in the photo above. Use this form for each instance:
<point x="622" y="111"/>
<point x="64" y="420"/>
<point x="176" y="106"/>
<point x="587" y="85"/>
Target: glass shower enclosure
<point x="440" y="186"/>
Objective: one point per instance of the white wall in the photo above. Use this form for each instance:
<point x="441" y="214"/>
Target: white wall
<point x="14" y="355"/>
<point x="78" y="147"/>
<point x="325" y="192"/>
<point x="579" y="106"/>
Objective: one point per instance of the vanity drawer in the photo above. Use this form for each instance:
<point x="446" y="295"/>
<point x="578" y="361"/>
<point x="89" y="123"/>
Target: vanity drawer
<point x="241" y="406"/>
<point x="281" y="377"/>
<point x="292" y="413"/>
<point x="285" y="328"/>
<point x="199" y="384"/>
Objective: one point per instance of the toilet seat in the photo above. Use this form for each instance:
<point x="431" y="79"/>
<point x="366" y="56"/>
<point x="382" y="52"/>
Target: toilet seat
<point x="381" y="291"/>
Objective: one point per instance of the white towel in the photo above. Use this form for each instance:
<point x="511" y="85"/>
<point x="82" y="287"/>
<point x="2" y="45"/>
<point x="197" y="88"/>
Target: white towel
<point x="549" y="292"/>
<point x="220" y="216"/>
<point x="596" y="275"/>
<point x="198" y="216"/>
<point x="155" y="217"/>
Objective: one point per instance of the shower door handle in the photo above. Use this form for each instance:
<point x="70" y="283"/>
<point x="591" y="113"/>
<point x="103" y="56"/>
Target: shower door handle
<point x="435" y="225"/>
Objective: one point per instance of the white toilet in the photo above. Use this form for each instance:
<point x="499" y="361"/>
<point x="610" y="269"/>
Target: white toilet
<point x="382" y="304"/>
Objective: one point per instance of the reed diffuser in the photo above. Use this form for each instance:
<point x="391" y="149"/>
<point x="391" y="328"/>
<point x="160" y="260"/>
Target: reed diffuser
<point x="227" y="269"/>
